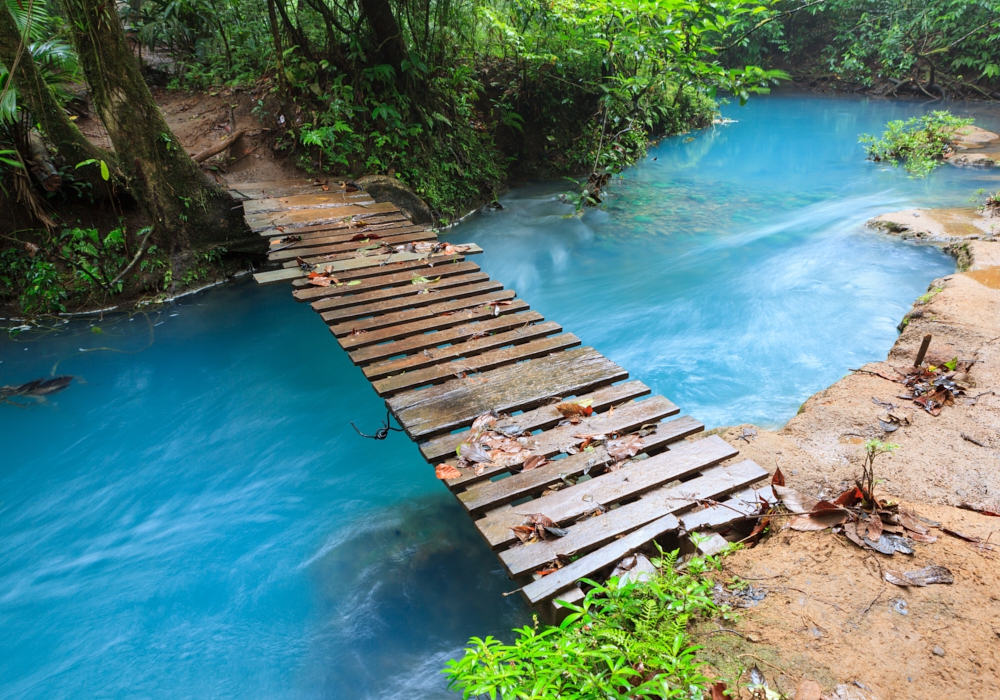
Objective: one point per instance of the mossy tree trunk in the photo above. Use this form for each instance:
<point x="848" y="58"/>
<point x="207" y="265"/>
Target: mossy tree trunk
<point x="187" y="208"/>
<point x="37" y="97"/>
<point x="391" y="46"/>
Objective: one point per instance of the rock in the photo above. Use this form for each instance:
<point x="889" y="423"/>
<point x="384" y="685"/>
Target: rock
<point x="850" y="692"/>
<point x="938" y="651"/>
<point x="808" y="690"/>
<point x="633" y="569"/>
<point x="973" y="136"/>
<point x="389" y="189"/>
<point x="972" y="160"/>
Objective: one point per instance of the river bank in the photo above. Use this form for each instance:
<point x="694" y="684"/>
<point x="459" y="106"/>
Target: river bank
<point x="828" y="613"/>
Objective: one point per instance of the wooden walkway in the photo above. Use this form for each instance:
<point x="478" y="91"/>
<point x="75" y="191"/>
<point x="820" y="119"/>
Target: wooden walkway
<point x="570" y="467"/>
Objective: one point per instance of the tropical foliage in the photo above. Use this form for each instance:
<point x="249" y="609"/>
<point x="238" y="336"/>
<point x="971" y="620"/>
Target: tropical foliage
<point x="622" y="641"/>
<point x="920" y="143"/>
<point x="937" y="48"/>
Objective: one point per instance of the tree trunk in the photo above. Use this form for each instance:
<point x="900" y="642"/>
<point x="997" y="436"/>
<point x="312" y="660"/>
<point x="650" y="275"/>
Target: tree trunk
<point x="36" y="96"/>
<point x="391" y="47"/>
<point x="187" y="208"/>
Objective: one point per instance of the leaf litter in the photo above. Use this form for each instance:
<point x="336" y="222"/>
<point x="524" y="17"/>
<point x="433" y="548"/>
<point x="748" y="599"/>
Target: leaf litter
<point x="867" y="521"/>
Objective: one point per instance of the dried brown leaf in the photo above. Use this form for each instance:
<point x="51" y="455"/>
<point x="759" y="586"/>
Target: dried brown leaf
<point x="534" y="461"/>
<point x="794" y="500"/>
<point x="446" y="471"/>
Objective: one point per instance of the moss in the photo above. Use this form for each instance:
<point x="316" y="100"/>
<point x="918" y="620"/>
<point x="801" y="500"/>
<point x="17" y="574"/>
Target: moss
<point x="962" y="255"/>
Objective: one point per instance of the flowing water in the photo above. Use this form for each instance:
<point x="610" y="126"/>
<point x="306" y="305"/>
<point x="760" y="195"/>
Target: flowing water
<point x="195" y="517"/>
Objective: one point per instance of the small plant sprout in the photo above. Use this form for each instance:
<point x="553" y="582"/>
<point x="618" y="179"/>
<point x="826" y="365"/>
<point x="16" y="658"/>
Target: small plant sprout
<point x="868" y="482"/>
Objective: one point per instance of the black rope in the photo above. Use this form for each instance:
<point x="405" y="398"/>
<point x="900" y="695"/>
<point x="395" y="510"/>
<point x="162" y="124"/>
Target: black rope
<point x="383" y="432"/>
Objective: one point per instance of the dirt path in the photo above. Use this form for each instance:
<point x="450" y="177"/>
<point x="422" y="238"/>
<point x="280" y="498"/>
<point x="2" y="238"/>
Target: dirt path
<point x="201" y="120"/>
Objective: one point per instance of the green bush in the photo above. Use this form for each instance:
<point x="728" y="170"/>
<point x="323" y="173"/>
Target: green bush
<point x="920" y="143"/>
<point x="620" y="642"/>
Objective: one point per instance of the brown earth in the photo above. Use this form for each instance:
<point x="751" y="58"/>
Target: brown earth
<point x="201" y="120"/>
<point x="829" y="614"/>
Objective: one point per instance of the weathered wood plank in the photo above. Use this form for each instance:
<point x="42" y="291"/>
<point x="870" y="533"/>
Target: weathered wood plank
<point x="349" y="235"/>
<point x="735" y="507"/>
<point x="326" y="227"/>
<point x="450" y="288"/>
<point x="303" y="201"/>
<point x="549" y="586"/>
<point x="383" y="260"/>
<point x="313" y="254"/>
<point x="416" y="313"/>
<point x="362" y="251"/>
<point x="478" y="363"/>
<point x="344" y="230"/>
<point x="457" y="334"/>
<point x="347" y="220"/>
<point x="455" y="404"/>
<point x="380" y="278"/>
<point x="626" y="418"/>
<point x="270" y="224"/>
<point x="492" y="494"/>
<point x="427" y="325"/>
<point x="632" y="480"/>
<point x="541" y="418"/>
<point x="594" y="532"/>
<point x="375" y="261"/>
<point x="470" y="348"/>
<point x="282" y="274"/>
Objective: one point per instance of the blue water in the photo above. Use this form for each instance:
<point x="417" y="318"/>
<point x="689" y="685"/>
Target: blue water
<point x="195" y="517"/>
<point x="731" y="271"/>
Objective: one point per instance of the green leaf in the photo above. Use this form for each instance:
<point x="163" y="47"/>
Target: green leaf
<point x="105" y="173"/>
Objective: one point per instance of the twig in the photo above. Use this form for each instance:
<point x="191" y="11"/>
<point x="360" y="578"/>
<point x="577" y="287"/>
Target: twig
<point x="972" y="440"/>
<point x="138" y="254"/>
<point x="871" y="604"/>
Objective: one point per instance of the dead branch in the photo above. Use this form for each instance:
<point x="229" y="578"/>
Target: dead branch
<point x="218" y="148"/>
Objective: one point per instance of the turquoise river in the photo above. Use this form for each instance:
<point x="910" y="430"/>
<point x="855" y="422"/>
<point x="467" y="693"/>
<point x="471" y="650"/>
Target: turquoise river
<point x="194" y="517"/>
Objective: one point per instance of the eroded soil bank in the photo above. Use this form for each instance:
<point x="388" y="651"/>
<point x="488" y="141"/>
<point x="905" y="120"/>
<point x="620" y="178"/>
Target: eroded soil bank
<point x="829" y="614"/>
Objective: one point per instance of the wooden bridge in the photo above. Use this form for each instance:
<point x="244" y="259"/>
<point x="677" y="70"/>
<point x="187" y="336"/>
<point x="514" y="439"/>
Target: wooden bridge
<point x="565" y="466"/>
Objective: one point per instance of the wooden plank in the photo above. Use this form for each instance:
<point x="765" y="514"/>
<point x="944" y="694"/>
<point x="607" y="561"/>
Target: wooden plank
<point x="364" y="250"/>
<point x="455" y="404"/>
<point x="347" y="223"/>
<point x="380" y="278"/>
<point x="444" y="356"/>
<point x="310" y="244"/>
<point x="344" y="230"/>
<point x="312" y="254"/>
<point x="382" y="260"/>
<point x="310" y="220"/>
<point x="303" y="201"/>
<point x="378" y="261"/>
<point x="416" y="313"/>
<point x="427" y="325"/>
<point x="735" y="507"/>
<point x="595" y="532"/>
<point x="538" y="419"/>
<point x="290" y="222"/>
<point x="448" y="288"/>
<point x="282" y="274"/>
<point x="627" y="418"/>
<point x="628" y="482"/>
<point x="314" y="215"/>
<point x="492" y="494"/>
<point x="457" y="334"/>
<point x="479" y="363"/>
<point x="549" y="586"/>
